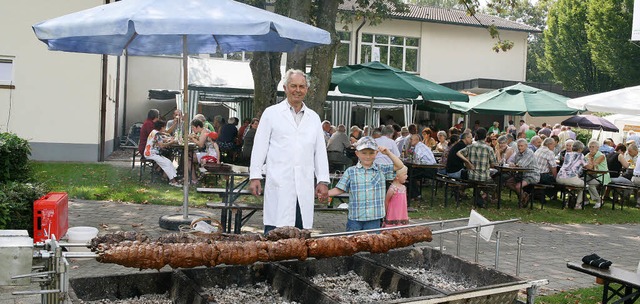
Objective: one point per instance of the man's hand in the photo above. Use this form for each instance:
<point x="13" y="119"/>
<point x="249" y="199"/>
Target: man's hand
<point x="256" y="187"/>
<point x="469" y="165"/>
<point x="322" y="192"/>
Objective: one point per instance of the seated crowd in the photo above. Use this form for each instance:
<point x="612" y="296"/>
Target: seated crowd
<point x="547" y="155"/>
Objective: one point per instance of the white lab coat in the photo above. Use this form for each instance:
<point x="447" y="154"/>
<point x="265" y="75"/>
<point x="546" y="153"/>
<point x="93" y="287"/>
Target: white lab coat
<point x="293" y="155"/>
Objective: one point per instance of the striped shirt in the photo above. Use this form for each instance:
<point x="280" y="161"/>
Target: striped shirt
<point x="545" y="160"/>
<point x="366" y="189"/>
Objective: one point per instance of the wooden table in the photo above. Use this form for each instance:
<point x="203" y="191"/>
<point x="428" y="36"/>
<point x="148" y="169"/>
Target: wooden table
<point x="512" y="171"/>
<point x="230" y="194"/>
<point x="628" y="292"/>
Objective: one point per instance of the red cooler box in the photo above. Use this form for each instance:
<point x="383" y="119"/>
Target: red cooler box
<point x="50" y="216"/>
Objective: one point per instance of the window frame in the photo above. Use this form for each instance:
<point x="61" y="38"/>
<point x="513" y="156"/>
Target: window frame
<point x="385" y="48"/>
<point x="8" y="83"/>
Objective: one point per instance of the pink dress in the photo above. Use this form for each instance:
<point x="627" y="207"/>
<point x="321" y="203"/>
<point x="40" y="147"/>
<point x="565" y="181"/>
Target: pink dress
<point x="397" y="210"/>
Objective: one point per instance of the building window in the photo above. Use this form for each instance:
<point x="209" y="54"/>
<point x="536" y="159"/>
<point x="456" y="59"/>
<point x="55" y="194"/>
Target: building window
<point x="236" y="56"/>
<point x="6" y="73"/>
<point x="396" y="51"/>
<point x="343" y="50"/>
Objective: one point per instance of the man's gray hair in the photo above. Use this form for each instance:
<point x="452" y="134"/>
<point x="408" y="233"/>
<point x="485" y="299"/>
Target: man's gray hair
<point x="510" y="136"/>
<point x="548" y="141"/>
<point x="535" y="138"/>
<point x="521" y="140"/>
<point x="502" y="139"/>
<point x="577" y="146"/>
<point x="465" y="135"/>
<point x="388" y="130"/>
<point x="632" y="146"/>
<point x="290" y="72"/>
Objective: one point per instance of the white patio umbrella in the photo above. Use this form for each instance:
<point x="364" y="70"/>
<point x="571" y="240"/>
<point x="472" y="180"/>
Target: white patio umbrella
<point x="172" y="27"/>
<point x="622" y="101"/>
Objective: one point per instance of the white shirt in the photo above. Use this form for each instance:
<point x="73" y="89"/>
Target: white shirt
<point x="424" y="154"/>
<point x="391" y="145"/>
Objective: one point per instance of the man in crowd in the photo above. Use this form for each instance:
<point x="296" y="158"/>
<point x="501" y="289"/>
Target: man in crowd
<point x="607" y="146"/>
<point x="632" y="136"/>
<point x="523" y="127"/>
<point x="326" y="126"/>
<point x="290" y="141"/>
<point x="385" y="141"/>
<point x="545" y="162"/>
<point x="523" y="158"/>
<point x="402" y="139"/>
<point x="478" y="157"/>
<point x="336" y="147"/>
<point x="531" y="132"/>
<point x="545" y="130"/>
<point x="535" y="143"/>
<point x="455" y="165"/>
<point x="421" y="155"/>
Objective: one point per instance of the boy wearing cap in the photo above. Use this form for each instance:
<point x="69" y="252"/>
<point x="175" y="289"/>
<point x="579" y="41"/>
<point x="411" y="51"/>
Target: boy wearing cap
<point x="365" y="183"/>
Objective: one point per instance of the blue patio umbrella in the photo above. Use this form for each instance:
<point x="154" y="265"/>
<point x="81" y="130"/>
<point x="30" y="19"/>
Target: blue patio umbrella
<point x="172" y="27"/>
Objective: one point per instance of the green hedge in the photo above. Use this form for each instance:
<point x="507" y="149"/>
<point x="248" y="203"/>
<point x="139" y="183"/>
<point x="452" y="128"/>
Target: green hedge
<point x="14" y="158"/>
<point x="16" y="193"/>
<point x="16" y="205"/>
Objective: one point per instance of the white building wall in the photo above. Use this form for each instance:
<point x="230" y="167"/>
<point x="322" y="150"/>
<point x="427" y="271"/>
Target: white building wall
<point x="147" y="73"/>
<point x="453" y="53"/>
<point x="56" y="101"/>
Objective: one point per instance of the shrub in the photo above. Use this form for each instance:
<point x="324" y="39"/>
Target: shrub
<point x="583" y="135"/>
<point x="14" y="158"/>
<point x="16" y="205"/>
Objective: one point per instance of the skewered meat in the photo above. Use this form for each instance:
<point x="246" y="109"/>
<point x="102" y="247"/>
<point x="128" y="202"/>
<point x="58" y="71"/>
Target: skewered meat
<point x="288" y="232"/>
<point x="117" y="237"/>
<point x="142" y="254"/>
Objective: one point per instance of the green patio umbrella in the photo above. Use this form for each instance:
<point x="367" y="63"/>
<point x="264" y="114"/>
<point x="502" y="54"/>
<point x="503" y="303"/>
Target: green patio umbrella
<point x="375" y="79"/>
<point x="517" y="100"/>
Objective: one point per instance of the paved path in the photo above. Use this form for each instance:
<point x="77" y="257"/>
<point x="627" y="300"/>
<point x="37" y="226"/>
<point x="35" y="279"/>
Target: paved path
<point x="546" y="248"/>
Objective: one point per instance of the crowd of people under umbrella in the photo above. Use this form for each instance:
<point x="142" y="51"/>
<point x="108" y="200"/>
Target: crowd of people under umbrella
<point x="552" y="152"/>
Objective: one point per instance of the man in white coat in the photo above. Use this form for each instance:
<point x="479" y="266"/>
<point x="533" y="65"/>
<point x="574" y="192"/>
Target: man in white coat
<point x="291" y="142"/>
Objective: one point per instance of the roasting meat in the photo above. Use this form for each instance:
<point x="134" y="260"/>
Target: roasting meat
<point x="192" y="251"/>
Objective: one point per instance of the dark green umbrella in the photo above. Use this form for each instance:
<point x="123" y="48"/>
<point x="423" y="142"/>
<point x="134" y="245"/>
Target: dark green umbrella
<point x="517" y="100"/>
<point x="375" y="79"/>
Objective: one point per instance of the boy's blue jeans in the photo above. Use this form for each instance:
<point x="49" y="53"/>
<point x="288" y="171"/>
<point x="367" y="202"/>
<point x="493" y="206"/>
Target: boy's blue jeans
<point x="362" y="225"/>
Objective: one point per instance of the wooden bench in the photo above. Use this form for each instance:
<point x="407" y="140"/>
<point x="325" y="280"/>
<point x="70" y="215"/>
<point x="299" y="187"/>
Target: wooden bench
<point x="619" y="193"/>
<point x="572" y="193"/>
<point x="478" y="186"/>
<point x="538" y="189"/>
<point x="629" y="290"/>
<point x="456" y="186"/>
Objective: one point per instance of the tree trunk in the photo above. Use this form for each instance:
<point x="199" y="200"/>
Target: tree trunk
<point x="299" y="10"/>
<point x="323" y="57"/>
<point x="265" y="70"/>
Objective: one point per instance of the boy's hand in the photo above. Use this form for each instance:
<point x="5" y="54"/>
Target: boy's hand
<point x="383" y="150"/>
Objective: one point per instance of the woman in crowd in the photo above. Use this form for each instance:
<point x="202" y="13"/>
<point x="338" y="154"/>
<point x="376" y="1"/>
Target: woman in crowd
<point x="502" y="150"/>
<point x="155" y="141"/>
<point x="596" y="161"/>
<point x="572" y="166"/>
<point x="355" y="133"/>
<point x="199" y="137"/>
<point x="247" y="144"/>
<point x="442" y="141"/>
<point x="427" y="138"/>
<point x="567" y="148"/>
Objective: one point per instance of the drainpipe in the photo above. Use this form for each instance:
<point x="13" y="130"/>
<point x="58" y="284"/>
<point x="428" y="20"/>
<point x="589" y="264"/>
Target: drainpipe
<point x="116" y="138"/>
<point x="124" y="93"/>
<point x="103" y="108"/>
<point x="364" y="19"/>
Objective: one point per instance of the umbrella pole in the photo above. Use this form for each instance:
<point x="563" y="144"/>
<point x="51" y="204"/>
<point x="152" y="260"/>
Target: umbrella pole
<point x="185" y="128"/>
<point x="371" y="113"/>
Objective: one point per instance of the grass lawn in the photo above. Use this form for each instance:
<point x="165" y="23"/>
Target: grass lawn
<point x="107" y="182"/>
<point x="583" y="296"/>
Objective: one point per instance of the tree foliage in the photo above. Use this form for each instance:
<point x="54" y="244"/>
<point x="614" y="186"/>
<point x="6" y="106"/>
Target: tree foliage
<point x="567" y="52"/>
<point x="608" y="32"/>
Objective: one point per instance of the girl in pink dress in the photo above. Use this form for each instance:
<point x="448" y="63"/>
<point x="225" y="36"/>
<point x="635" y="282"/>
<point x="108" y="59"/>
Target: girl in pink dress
<point x="396" y="201"/>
